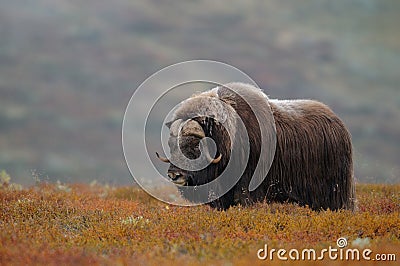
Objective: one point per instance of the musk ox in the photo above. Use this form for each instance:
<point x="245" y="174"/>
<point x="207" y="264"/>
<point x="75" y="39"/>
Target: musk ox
<point x="312" y="160"/>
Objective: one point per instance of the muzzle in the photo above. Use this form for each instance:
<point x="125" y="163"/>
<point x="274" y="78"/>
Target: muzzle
<point x="178" y="178"/>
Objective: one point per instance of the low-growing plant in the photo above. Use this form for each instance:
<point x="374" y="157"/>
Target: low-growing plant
<point x="79" y="224"/>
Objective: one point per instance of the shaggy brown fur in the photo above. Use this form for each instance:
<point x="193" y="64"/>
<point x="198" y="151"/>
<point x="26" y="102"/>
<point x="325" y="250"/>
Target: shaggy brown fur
<point x="313" y="157"/>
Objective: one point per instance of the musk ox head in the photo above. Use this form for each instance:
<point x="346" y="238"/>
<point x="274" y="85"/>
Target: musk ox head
<point x="199" y="140"/>
<point x="217" y="134"/>
<point x="188" y="145"/>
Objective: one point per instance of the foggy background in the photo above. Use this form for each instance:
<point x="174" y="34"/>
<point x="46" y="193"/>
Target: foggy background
<point x="69" y="67"/>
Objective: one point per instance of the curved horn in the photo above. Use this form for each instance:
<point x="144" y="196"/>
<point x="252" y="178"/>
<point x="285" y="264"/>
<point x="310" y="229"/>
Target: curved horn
<point x="163" y="159"/>
<point x="216" y="160"/>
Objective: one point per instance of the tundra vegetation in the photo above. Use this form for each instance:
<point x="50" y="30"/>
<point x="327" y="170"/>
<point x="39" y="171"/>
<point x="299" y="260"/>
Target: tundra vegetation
<point x="53" y="224"/>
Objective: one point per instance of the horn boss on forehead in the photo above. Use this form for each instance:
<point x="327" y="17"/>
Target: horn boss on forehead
<point x="312" y="164"/>
<point x="192" y="128"/>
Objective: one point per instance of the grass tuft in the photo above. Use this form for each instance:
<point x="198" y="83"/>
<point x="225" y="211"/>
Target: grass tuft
<point x="95" y="224"/>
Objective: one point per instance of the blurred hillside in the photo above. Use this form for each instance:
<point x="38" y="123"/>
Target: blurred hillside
<point x="69" y="67"/>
